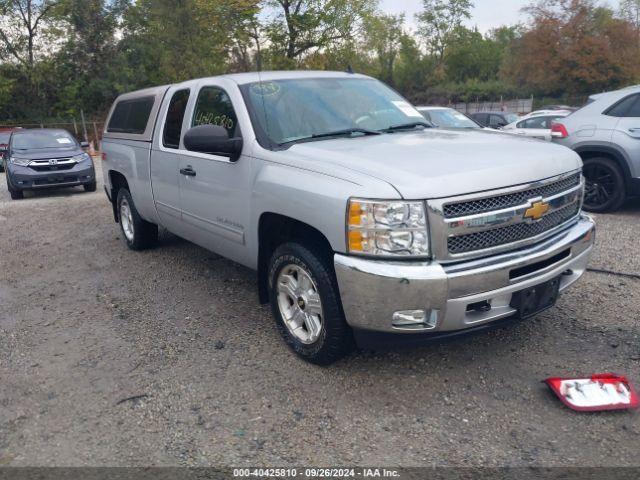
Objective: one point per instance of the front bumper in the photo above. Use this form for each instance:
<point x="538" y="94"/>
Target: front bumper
<point x="25" y="178"/>
<point x="372" y="291"/>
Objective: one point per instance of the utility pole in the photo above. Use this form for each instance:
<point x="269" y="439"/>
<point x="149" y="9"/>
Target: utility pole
<point x="84" y="126"/>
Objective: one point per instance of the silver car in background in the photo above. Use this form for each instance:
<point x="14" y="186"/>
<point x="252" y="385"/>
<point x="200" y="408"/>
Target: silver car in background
<point x="606" y="134"/>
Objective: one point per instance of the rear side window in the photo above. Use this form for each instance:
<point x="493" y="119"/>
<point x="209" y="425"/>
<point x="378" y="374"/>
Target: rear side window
<point x="496" y="121"/>
<point x="482" y="118"/>
<point x="214" y="107"/>
<point x="175" y="118"/>
<point x="634" y="111"/>
<point x="538" y="122"/>
<point x="625" y="107"/>
<point x="131" y="116"/>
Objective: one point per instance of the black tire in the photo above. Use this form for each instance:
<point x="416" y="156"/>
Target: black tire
<point x="605" y="185"/>
<point x="15" y="194"/>
<point x="90" y="187"/>
<point x="336" y="338"/>
<point x="145" y="234"/>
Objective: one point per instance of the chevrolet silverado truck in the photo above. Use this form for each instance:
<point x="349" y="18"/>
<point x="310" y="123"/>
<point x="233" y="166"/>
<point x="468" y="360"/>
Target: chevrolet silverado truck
<point x="364" y="224"/>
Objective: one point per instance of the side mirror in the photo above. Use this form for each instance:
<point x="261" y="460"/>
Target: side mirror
<point x="213" y="139"/>
<point x="84" y="144"/>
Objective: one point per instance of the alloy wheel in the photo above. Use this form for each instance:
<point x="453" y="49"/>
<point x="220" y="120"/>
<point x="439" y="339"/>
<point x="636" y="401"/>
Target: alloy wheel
<point x="600" y="185"/>
<point x="299" y="303"/>
<point x="126" y="219"/>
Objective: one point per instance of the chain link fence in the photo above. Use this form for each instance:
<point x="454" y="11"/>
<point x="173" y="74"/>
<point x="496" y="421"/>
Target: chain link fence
<point x="518" y="106"/>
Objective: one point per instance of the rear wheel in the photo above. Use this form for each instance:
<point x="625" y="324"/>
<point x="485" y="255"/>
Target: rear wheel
<point x="138" y="233"/>
<point x="306" y="304"/>
<point x="605" y="187"/>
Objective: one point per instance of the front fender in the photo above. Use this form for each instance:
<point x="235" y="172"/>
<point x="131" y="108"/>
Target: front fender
<point x="314" y="198"/>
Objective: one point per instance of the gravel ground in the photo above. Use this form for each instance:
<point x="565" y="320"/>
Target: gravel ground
<point x="111" y="357"/>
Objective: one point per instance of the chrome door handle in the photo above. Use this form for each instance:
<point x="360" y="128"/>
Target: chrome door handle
<point x="189" y="171"/>
<point x="634" y="130"/>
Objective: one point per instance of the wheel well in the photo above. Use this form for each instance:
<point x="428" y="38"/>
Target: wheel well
<point x="274" y="230"/>
<point x="588" y="153"/>
<point x="117" y="181"/>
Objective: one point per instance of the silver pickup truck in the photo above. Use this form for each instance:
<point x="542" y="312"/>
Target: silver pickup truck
<point x="364" y="224"/>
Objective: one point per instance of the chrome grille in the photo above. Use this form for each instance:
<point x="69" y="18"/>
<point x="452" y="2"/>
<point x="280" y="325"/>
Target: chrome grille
<point x="472" y="207"/>
<point x="512" y="233"/>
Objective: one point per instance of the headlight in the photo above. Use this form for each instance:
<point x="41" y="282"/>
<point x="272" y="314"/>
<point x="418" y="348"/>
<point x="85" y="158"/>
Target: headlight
<point x="81" y="158"/>
<point x="20" y="161"/>
<point x="393" y="228"/>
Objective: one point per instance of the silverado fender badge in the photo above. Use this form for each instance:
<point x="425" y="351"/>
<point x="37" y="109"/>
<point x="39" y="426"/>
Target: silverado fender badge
<point x="605" y="391"/>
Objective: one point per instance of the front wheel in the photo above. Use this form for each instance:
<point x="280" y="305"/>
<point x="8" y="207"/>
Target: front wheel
<point x="306" y="304"/>
<point x="90" y="187"/>
<point x="605" y="187"/>
<point x="138" y="233"/>
<point x="15" y="193"/>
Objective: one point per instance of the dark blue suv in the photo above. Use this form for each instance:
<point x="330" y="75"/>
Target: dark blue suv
<point x="46" y="158"/>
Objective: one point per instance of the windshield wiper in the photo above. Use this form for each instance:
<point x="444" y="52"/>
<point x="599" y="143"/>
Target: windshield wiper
<point x="407" y="126"/>
<point x="346" y="132"/>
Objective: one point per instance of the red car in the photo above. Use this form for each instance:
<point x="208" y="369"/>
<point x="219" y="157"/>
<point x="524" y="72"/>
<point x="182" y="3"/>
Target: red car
<point x="5" y="133"/>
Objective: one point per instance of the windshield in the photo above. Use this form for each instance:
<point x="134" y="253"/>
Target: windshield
<point x="448" y="118"/>
<point x="287" y="111"/>
<point x="43" y="139"/>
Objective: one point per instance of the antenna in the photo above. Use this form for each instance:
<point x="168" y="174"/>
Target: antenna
<point x="349" y="69"/>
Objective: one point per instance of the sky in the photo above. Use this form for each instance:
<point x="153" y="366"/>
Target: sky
<point x="487" y="14"/>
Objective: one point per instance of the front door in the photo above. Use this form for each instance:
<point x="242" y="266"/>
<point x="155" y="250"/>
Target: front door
<point x="214" y="191"/>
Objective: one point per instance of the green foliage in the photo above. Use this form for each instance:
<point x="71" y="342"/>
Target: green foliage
<point x="296" y="28"/>
<point x="438" y="21"/>
<point x="73" y="55"/>
<point x="383" y="40"/>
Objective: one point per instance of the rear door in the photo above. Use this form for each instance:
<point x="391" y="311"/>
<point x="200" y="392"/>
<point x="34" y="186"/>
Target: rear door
<point x="626" y="134"/>
<point x="165" y="159"/>
<point x="215" y="191"/>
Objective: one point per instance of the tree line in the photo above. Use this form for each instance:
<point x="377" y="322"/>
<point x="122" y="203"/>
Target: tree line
<point x="58" y="57"/>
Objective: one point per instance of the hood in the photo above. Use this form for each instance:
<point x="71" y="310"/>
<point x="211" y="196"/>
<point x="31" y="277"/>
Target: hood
<point x="437" y="163"/>
<point x="45" y="154"/>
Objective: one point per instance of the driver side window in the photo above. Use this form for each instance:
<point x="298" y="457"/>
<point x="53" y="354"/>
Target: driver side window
<point x="214" y="107"/>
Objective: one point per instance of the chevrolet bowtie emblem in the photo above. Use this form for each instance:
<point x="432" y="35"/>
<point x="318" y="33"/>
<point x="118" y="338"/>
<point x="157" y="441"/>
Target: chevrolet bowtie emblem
<point x="537" y="210"/>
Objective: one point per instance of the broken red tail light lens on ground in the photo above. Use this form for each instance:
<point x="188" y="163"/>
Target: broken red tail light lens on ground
<point x="605" y="391"/>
